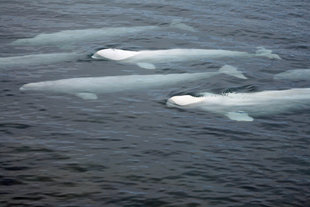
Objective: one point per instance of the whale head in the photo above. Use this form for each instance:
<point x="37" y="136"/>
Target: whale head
<point x="184" y="100"/>
<point x="114" y="54"/>
<point x="33" y="86"/>
<point x="43" y="86"/>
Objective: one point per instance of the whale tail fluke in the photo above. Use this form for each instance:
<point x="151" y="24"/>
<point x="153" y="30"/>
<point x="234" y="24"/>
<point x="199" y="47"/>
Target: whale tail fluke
<point x="19" y="42"/>
<point x="262" y="52"/>
<point x="179" y="25"/>
<point x="232" y="71"/>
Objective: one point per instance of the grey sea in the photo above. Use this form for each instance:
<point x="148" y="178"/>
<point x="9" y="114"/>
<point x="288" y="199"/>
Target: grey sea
<point x="130" y="149"/>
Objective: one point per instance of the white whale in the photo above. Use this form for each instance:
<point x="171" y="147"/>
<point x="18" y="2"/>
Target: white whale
<point x="37" y="59"/>
<point x="88" y="88"/>
<point x="245" y="106"/>
<point x="148" y="58"/>
<point x="68" y="37"/>
<point x="298" y="74"/>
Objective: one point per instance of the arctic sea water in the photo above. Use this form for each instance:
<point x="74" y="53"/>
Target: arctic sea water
<point x="129" y="148"/>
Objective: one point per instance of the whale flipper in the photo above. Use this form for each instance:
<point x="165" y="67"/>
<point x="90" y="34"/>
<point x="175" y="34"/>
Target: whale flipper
<point x="87" y="96"/>
<point x="239" y="116"/>
<point x="262" y="52"/>
<point x="147" y="66"/>
<point x="230" y="70"/>
<point x="179" y="25"/>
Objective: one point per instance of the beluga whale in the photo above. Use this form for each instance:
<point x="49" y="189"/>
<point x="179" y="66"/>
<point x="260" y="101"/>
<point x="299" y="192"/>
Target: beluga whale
<point x="294" y="75"/>
<point x="245" y="106"/>
<point x="69" y="37"/>
<point x="148" y="58"/>
<point x="37" y="59"/>
<point x="90" y="87"/>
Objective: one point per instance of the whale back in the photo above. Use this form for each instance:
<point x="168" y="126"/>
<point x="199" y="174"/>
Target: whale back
<point x="114" y="54"/>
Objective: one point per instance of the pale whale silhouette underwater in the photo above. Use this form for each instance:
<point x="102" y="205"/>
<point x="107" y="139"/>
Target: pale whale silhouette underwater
<point x="37" y="59"/>
<point x="245" y="106"/>
<point x="293" y="75"/>
<point x="69" y="37"/>
<point x="148" y="58"/>
<point x="90" y="87"/>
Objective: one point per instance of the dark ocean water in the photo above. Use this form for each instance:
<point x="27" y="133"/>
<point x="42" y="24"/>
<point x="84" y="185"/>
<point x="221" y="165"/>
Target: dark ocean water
<point x="130" y="149"/>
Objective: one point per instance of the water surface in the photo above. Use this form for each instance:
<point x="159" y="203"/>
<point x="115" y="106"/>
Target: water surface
<point x="129" y="149"/>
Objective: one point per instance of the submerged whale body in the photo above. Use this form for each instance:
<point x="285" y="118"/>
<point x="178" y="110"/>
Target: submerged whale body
<point x="245" y="106"/>
<point x="148" y="58"/>
<point x="37" y="59"/>
<point x="88" y="88"/>
<point x="75" y="36"/>
<point x="298" y="74"/>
